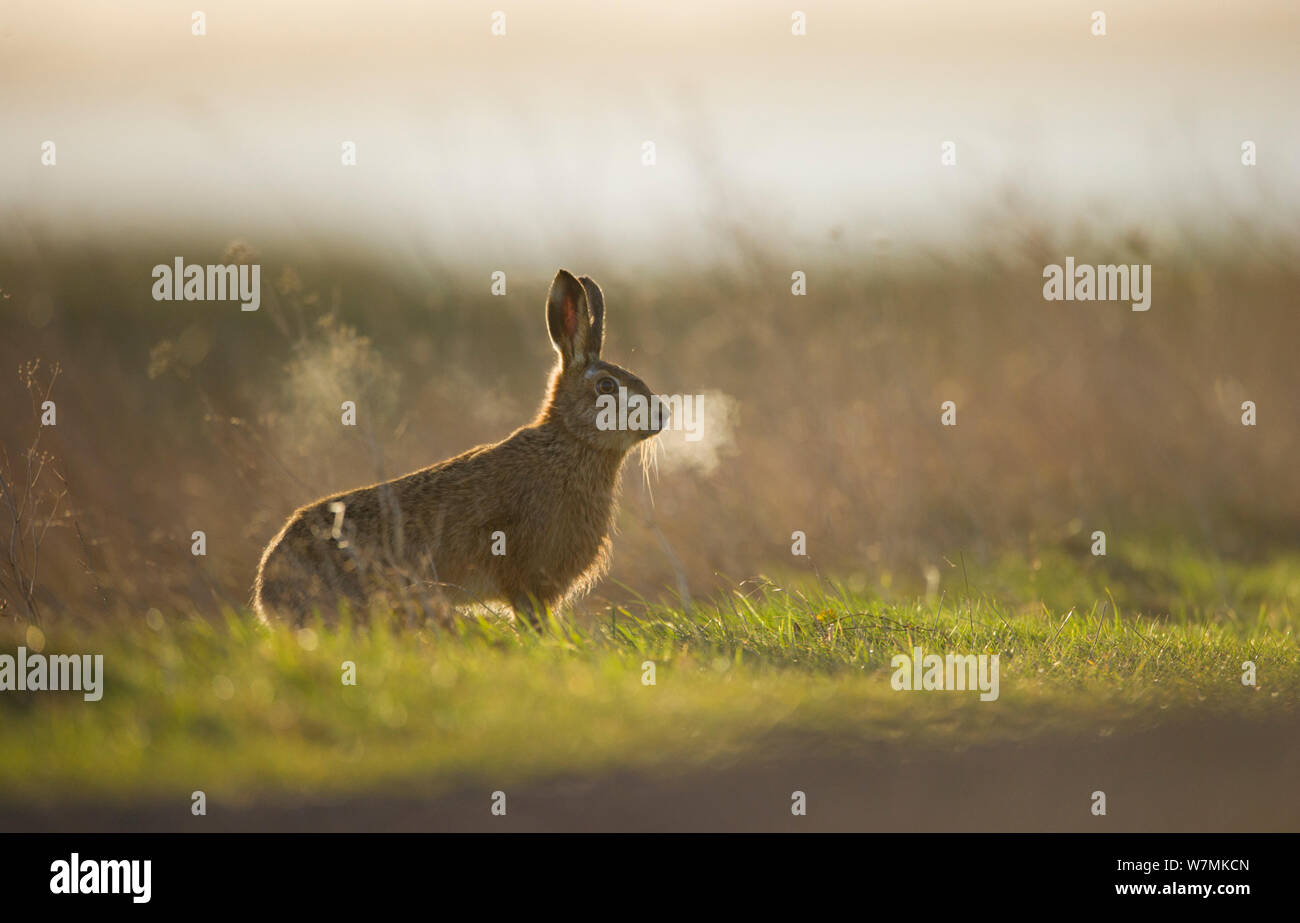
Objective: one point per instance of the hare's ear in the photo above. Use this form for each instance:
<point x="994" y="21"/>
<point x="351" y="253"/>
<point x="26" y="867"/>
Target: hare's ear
<point x="567" y="318"/>
<point x="596" y="303"/>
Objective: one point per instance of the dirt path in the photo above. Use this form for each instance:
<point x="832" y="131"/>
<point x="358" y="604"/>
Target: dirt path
<point x="1206" y="777"/>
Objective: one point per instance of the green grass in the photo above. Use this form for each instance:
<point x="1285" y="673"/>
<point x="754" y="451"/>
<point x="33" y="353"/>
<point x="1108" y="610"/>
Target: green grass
<point x="238" y="709"/>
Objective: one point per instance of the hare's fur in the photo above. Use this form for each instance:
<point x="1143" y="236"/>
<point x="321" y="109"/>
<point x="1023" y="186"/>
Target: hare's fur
<point x="546" y="496"/>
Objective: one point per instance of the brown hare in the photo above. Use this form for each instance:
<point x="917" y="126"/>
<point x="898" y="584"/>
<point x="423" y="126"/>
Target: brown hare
<point x="525" y="521"/>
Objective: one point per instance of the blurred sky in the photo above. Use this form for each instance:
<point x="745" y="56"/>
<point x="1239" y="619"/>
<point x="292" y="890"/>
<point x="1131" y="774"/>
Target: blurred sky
<point x="479" y="147"/>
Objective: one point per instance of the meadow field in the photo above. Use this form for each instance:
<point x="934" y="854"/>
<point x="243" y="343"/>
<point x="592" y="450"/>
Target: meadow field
<point x="820" y="414"/>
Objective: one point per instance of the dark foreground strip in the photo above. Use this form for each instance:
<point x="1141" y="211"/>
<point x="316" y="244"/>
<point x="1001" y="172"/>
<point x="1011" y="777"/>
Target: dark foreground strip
<point x="1199" y="777"/>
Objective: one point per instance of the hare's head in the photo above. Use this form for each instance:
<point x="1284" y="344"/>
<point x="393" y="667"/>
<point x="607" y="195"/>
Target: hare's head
<point x="600" y="403"/>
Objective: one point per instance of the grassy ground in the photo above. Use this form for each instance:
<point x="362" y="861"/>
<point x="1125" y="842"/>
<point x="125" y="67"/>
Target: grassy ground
<point x="242" y="711"/>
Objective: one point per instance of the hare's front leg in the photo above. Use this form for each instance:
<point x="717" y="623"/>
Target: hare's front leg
<point x="527" y="608"/>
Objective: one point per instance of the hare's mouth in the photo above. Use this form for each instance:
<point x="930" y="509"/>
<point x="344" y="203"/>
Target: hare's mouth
<point x="657" y="423"/>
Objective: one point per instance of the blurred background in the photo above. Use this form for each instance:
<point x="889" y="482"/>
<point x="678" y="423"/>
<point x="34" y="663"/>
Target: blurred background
<point x="774" y="153"/>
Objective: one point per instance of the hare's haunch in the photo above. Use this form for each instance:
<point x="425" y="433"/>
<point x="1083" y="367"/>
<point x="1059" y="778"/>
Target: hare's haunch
<point x="525" y="521"/>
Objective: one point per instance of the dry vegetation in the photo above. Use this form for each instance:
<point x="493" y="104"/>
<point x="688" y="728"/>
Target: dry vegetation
<point x="822" y="412"/>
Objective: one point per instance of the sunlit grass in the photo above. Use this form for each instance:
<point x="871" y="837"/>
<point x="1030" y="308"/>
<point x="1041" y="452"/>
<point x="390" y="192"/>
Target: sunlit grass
<point x="239" y="709"/>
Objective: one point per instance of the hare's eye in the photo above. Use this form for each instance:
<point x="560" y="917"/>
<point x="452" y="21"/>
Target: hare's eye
<point x="607" y="386"/>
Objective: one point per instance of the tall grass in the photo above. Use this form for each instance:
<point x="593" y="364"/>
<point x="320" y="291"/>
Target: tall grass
<point x="824" y="418"/>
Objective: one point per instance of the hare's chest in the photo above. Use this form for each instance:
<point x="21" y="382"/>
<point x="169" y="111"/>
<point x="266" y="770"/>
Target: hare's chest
<point x="569" y="540"/>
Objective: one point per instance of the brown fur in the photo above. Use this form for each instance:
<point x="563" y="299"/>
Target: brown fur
<point x="551" y="487"/>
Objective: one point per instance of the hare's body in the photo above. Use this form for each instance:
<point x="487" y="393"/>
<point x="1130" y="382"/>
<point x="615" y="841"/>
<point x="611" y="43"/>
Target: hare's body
<point x="525" y="521"/>
<point x="550" y="516"/>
